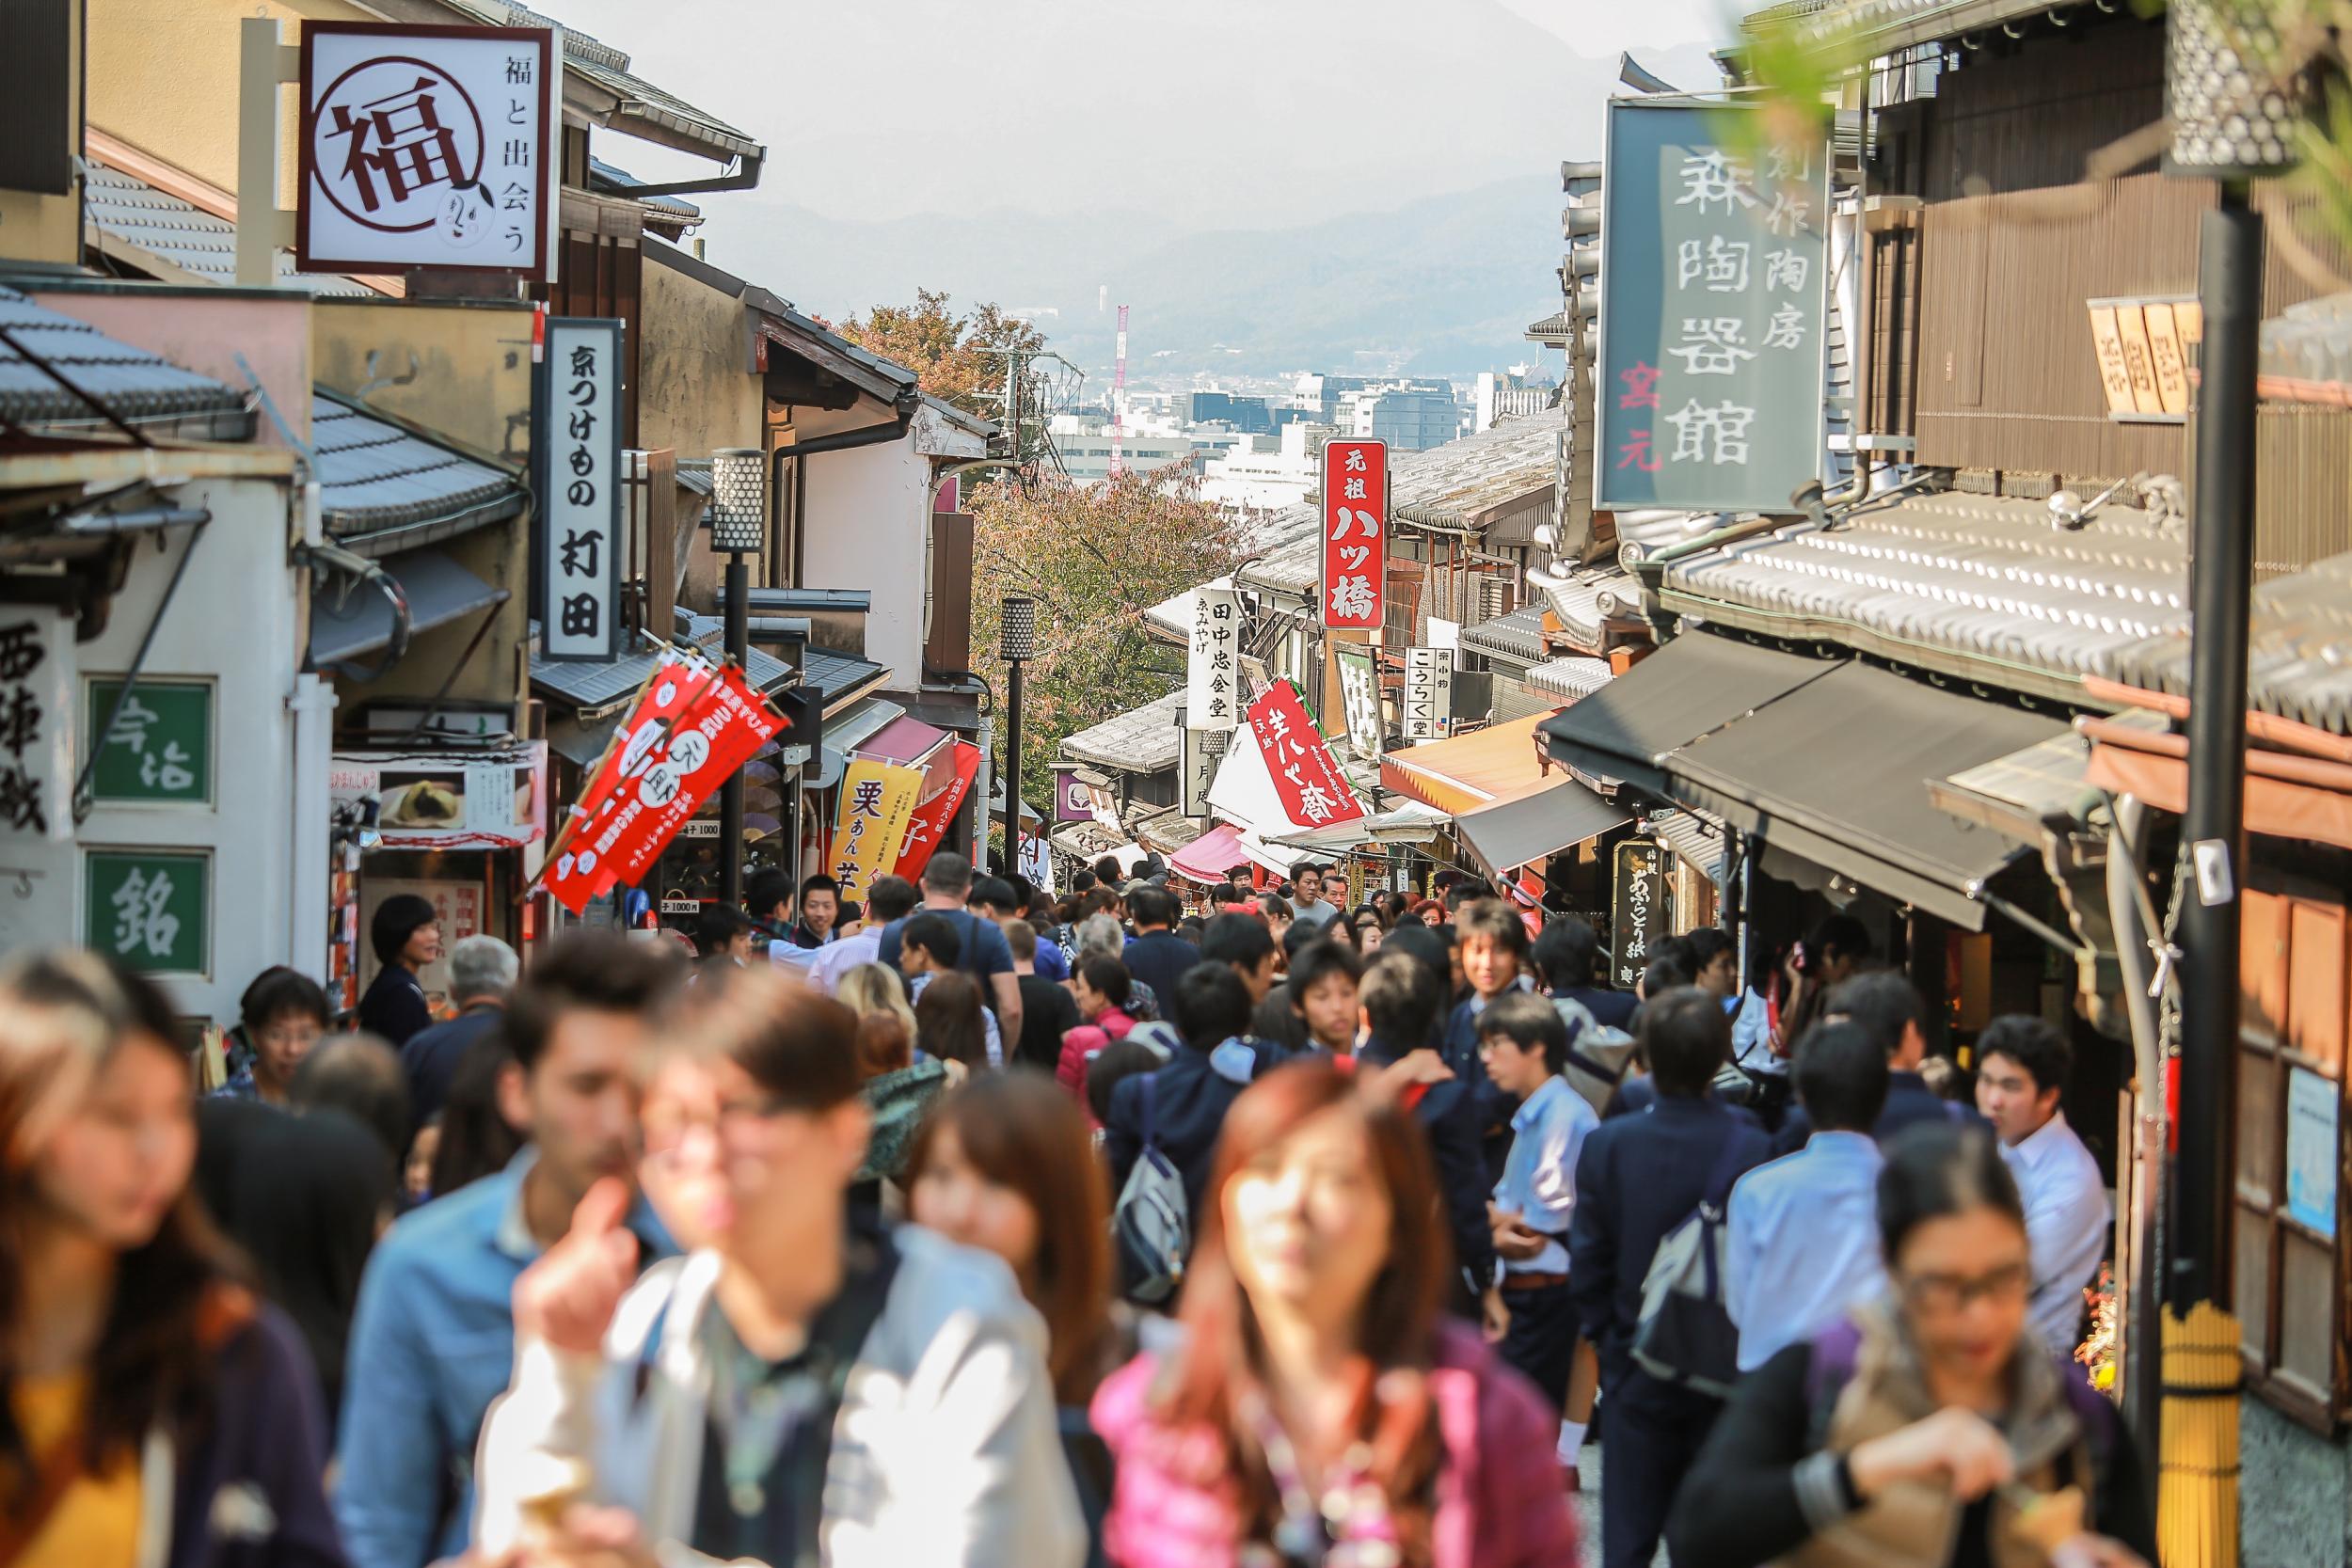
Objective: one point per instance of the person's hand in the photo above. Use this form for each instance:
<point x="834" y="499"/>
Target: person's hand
<point x="593" y="1537"/>
<point x="568" y="1296"/>
<point x="1494" y="1318"/>
<point x="1517" y="1243"/>
<point x="1421" y="1066"/>
<point x="1956" y="1444"/>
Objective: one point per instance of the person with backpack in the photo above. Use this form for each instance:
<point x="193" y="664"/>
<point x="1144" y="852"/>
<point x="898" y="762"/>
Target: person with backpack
<point x="1641" y="1180"/>
<point x="1931" y="1428"/>
<point x="1887" y="1007"/>
<point x="1180" y="1109"/>
<point x="981" y="948"/>
<point x="806" y="1384"/>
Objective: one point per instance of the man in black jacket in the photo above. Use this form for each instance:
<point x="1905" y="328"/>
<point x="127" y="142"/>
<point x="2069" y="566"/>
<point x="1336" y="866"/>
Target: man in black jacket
<point x="1155" y="955"/>
<point x="1401" y="1002"/>
<point x="1638" y="1178"/>
<point x="1886" y="1007"/>
<point x="1192" y="1093"/>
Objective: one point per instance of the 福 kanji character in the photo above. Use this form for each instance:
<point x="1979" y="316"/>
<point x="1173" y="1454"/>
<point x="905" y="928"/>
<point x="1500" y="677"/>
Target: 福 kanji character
<point x="398" y="141"/>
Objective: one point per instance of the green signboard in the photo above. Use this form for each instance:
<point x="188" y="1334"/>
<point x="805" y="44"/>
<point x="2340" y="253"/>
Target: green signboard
<point x="160" y="746"/>
<point x="149" y="908"/>
<point x="1713" y="282"/>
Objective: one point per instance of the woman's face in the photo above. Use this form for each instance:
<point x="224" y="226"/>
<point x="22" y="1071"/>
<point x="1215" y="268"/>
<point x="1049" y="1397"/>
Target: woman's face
<point x="120" y="1159"/>
<point x="1308" y="1220"/>
<point x="1368" y="937"/>
<point x="1965" y="1279"/>
<point x="424" y="946"/>
<point x="281" y="1043"/>
<point x="953" y="1198"/>
<point x="1090" y="1000"/>
<point x="418" y="1176"/>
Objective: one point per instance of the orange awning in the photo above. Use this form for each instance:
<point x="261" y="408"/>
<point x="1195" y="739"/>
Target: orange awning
<point x="2287" y="795"/>
<point x="1486" y="768"/>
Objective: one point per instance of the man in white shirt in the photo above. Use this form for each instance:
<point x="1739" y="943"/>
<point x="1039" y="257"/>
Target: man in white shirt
<point x="890" y="898"/>
<point x="2022" y="1063"/>
<point x="1801" y="1240"/>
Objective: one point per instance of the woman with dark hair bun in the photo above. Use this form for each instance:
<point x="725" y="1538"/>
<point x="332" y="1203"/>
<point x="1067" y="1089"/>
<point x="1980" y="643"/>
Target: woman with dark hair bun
<point x="1932" y="1429"/>
<point x="1320" y="1411"/>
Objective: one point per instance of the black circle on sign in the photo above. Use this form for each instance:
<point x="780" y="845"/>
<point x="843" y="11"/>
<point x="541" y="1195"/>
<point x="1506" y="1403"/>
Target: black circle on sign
<point x="481" y="137"/>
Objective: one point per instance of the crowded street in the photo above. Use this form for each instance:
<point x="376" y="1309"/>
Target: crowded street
<point x="918" y="785"/>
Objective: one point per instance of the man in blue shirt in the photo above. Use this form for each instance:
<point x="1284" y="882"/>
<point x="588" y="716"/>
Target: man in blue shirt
<point x="1154" y="955"/>
<point x="1638" y="1178"/>
<point x="433" y="1341"/>
<point x="1525" y="1044"/>
<point x="981" y="950"/>
<point x="1801" y="1246"/>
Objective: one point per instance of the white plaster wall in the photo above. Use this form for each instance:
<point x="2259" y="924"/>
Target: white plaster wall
<point x="869" y="527"/>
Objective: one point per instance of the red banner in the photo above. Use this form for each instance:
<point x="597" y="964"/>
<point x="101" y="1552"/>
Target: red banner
<point x="931" y="817"/>
<point x="1313" y="792"/>
<point x="1354" y="534"/>
<point x="688" y="733"/>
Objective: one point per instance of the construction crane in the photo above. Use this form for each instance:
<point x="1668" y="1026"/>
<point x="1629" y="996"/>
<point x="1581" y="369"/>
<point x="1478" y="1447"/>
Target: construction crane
<point x="1118" y="399"/>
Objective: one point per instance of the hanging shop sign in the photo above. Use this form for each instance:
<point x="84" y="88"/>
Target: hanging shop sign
<point x="159" y="750"/>
<point x="2312" y="1105"/>
<point x="927" y="829"/>
<point x="36" y="724"/>
<point x="575" y="459"/>
<point x="495" y="799"/>
<point x="427" y="149"/>
<point x="1073" y="800"/>
<point x="692" y="727"/>
<point x="1428" y="693"/>
<point x="877" y="801"/>
<point x="1199" y="755"/>
<point x="1306" y="778"/>
<point x="1359" y="698"/>
<point x="1354" y="534"/>
<point x="1712" y="340"/>
<point x="149" y="909"/>
<point x="1212" y="667"/>
<point x="1638" y="915"/>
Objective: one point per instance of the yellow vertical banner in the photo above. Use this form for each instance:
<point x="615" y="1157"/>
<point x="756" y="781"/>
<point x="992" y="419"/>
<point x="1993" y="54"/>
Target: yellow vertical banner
<point x="876" y="803"/>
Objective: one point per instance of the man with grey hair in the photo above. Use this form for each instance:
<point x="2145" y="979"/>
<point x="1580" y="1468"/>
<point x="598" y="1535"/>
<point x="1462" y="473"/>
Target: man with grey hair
<point x="481" y="973"/>
<point x="983" y="953"/>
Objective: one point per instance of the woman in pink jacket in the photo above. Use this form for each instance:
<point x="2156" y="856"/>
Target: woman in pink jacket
<point x="1319" y="1412"/>
<point x="1102" y="986"/>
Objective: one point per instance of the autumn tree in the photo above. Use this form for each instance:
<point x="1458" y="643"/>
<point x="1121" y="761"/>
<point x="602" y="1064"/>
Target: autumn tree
<point x="955" y="359"/>
<point x="1095" y="558"/>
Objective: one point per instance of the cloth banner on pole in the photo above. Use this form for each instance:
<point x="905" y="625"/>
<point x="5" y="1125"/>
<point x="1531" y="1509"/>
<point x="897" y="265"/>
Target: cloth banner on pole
<point x="876" y="803"/>
<point x="1307" y="779"/>
<point x="929" y="825"/>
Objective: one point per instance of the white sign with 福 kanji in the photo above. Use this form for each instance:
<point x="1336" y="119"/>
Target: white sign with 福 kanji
<point x="1212" y="664"/>
<point x="427" y="147"/>
<point x="1354" y="534"/>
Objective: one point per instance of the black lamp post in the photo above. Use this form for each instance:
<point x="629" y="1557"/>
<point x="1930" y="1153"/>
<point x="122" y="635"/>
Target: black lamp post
<point x="1016" y="641"/>
<point x="739" y="526"/>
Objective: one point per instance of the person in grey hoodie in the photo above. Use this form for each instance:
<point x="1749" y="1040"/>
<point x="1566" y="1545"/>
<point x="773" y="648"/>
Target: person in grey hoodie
<point x="805" y="1385"/>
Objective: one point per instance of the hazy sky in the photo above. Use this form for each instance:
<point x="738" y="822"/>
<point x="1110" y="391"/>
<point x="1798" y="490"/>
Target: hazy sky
<point x="1204" y="113"/>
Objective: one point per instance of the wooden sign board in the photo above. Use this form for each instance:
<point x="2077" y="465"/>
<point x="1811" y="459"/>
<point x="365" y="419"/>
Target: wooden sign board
<point x="2140" y="347"/>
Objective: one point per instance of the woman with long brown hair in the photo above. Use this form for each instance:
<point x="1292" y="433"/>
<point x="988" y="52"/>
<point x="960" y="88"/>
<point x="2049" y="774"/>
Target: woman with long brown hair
<point x="1320" y="1410"/>
<point x="157" y="1410"/>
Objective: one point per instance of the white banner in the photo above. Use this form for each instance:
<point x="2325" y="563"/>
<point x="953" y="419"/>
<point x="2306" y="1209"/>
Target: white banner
<point x="1429" y="692"/>
<point x="37" y="677"/>
<point x="1201" y="753"/>
<point x="577" y="450"/>
<point x="1212" y="667"/>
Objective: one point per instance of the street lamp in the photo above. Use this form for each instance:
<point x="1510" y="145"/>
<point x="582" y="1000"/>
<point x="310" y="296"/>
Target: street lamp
<point x="1016" y="641"/>
<point x="738" y="526"/>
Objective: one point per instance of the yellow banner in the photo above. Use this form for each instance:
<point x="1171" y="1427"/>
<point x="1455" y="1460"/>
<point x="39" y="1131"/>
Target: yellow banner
<point x="876" y="803"/>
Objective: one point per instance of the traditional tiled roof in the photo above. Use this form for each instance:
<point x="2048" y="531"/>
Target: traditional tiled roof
<point x="142" y="389"/>
<point x="607" y="68"/>
<point x="1141" y="740"/>
<point x="1571" y="677"/>
<point x="1861" y="29"/>
<point x="2307" y="352"/>
<point x="185" y="238"/>
<point x="1517" y="637"/>
<point x="2299" y="650"/>
<point x="1983" y="585"/>
<point x="377" y="476"/>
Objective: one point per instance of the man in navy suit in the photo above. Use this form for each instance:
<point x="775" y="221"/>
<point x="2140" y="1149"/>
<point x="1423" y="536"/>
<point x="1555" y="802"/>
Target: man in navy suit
<point x="1885" y="1007"/>
<point x="1638" y="1176"/>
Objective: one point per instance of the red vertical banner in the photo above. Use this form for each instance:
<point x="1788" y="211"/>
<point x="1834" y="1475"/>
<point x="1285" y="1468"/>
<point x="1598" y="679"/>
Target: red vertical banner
<point x="931" y="817"/>
<point x="1306" y="780"/>
<point x="1354" y="534"/>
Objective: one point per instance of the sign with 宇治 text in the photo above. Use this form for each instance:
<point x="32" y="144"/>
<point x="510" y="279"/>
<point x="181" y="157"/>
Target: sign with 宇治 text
<point x="427" y="147"/>
<point x="1637" y="907"/>
<point x="1213" y="665"/>
<point x="160" y="746"/>
<point x="1429" y="692"/>
<point x="576" y="450"/>
<point x="1354" y="534"/>
<point x="1713" y="322"/>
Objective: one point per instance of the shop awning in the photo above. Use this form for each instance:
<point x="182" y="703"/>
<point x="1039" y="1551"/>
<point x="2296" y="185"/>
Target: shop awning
<point x="351" y="621"/>
<point x="1409" y="823"/>
<point x="904" y="741"/>
<point x="1208" y="858"/>
<point x="2287" y="795"/>
<point x="1517" y="831"/>
<point x="1693" y="684"/>
<point x="868" y="717"/>
<point x="1485" y="767"/>
<point x="1836" y="771"/>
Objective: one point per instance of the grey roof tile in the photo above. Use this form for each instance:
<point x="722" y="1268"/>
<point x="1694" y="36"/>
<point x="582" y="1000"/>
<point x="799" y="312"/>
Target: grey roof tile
<point x="375" y="475"/>
<point x="128" y="208"/>
<point x="1518" y="637"/>
<point x="141" y="388"/>
<point x="2299" y="650"/>
<point x="1141" y="740"/>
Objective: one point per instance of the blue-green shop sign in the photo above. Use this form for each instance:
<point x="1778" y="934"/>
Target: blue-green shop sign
<point x="150" y="910"/>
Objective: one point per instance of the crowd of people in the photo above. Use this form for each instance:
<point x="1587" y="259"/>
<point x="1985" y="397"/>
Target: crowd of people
<point x="971" y="1225"/>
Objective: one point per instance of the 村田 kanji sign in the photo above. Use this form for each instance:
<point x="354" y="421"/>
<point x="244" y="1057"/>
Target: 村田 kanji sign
<point x="426" y="147"/>
<point x="1712" y="340"/>
<point x="1307" y="779"/>
<point x="1354" y="534"/>
<point x="576" y="455"/>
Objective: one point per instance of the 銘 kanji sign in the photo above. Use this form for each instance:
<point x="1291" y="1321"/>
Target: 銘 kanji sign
<point x="1712" y="323"/>
<point x="426" y="147"/>
<point x="1354" y="534"/>
<point x="1307" y="779"/>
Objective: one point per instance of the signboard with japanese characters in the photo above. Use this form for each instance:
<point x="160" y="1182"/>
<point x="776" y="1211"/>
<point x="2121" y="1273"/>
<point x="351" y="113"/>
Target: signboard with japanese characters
<point x="1306" y="778"/>
<point x="495" y="799"/>
<point x="1359" y="698"/>
<point x="576" y="453"/>
<point x="427" y="147"/>
<point x="160" y="747"/>
<point x="927" y="825"/>
<point x="1354" y="534"/>
<point x="1212" y="666"/>
<point x="1712" y="326"/>
<point x="1637" y="907"/>
<point x="149" y="909"/>
<point x="1199" y="753"/>
<point x="36" y="723"/>
<point x="876" y="803"/>
<point x="1428" y="693"/>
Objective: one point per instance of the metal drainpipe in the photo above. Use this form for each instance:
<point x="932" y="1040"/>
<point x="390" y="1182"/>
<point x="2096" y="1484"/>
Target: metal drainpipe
<point x="312" y="704"/>
<point x="2143" y="1290"/>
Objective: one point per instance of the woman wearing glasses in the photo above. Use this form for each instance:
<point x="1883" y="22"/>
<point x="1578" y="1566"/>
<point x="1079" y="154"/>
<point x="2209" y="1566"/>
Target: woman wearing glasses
<point x="1931" y="1430"/>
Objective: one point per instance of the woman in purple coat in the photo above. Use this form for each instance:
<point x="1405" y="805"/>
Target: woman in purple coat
<point x="1319" y="1412"/>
